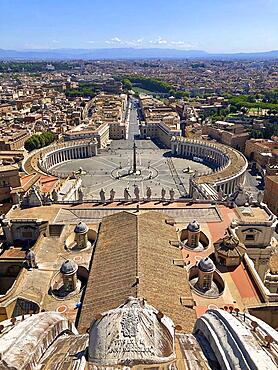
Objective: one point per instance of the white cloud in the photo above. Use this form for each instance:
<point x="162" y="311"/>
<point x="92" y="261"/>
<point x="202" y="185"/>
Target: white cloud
<point x="173" y="43"/>
<point x="114" y="40"/>
<point x="183" y="44"/>
<point x="158" y="41"/>
<point x="118" y="41"/>
<point x="90" y="42"/>
<point x="177" y="43"/>
<point x="55" y="42"/>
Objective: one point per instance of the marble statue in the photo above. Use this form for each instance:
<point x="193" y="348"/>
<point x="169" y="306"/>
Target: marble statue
<point x="149" y="193"/>
<point x="54" y="195"/>
<point x="137" y="193"/>
<point x="102" y="196"/>
<point x="220" y="194"/>
<point x="240" y="197"/>
<point x="163" y="193"/>
<point x="16" y="198"/>
<point x="80" y="195"/>
<point x="112" y="195"/>
<point x="250" y="199"/>
<point x="260" y="197"/>
<point x="47" y="199"/>
<point x="34" y="197"/>
<point x="126" y="195"/>
<point x="172" y="194"/>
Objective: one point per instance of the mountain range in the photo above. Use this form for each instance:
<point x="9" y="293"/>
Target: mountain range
<point x="127" y="53"/>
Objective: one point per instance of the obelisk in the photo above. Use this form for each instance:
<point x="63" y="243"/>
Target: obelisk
<point x="134" y="158"/>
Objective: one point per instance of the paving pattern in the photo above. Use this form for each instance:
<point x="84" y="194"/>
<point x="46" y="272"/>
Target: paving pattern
<point x="99" y="170"/>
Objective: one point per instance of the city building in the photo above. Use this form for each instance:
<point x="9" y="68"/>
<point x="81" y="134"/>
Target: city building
<point x="271" y="193"/>
<point x="159" y="121"/>
<point x="231" y="134"/>
<point x="263" y="152"/>
<point x="9" y="179"/>
<point x="13" y="141"/>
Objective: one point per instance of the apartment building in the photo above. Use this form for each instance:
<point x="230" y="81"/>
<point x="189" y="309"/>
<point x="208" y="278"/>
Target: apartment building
<point x="9" y="179"/>
<point x="14" y="140"/>
<point x="227" y="133"/>
<point x="262" y="151"/>
<point x="271" y="193"/>
<point x="161" y="122"/>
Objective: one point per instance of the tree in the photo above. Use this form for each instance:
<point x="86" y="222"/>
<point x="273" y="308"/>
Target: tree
<point x="127" y="84"/>
<point x="39" y="141"/>
<point x="30" y="144"/>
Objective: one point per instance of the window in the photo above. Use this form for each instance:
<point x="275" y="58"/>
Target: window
<point x="250" y="237"/>
<point x="207" y="281"/>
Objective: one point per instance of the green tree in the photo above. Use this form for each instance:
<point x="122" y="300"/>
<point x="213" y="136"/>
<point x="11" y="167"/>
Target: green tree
<point x="127" y="84"/>
<point x="39" y="141"/>
<point x="30" y="144"/>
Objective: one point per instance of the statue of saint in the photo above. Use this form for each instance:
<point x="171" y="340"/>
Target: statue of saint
<point x="220" y="194"/>
<point x="126" y="195"/>
<point x="172" y="194"/>
<point x="260" y="197"/>
<point x="80" y="195"/>
<point x="136" y="193"/>
<point x="54" y="195"/>
<point x="112" y="195"/>
<point x="16" y="198"/>
<point x="102" y="196"/>
<point x="163" y="193"/>
<point x="149" y="193"/>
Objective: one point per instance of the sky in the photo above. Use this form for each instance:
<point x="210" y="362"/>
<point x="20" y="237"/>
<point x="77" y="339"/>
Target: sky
<point x="209" y="25"/>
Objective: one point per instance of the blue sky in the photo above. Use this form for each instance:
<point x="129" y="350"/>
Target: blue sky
<point x="210" y="25"/>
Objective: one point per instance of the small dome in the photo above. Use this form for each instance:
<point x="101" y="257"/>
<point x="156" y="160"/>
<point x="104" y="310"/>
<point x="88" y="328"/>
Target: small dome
<point x="30" y="255"/>
<point x="81" y="228"/>
<point x="193" y="226"/>
<point x="206" y="265"/>
<point x="68" y="267"/>
<point x="230" y="242"/>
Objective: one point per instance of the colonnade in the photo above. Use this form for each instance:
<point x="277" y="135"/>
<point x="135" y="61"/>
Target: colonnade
<point x="209" y="153"/>
<point x="229" y="186"/>
<point x="62" y="153"/>
<point x="222" y="157"/>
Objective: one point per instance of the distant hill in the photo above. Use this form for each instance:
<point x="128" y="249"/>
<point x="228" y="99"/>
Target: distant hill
<point x="126" y="53"/>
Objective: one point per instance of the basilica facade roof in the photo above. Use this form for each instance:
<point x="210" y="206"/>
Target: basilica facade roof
<point x="133" y="257"/>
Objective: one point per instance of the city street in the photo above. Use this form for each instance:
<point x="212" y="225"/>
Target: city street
<point x="133" y="123"/>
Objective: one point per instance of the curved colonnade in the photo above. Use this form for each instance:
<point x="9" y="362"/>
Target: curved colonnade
<point x="45" y="159"/>
<point x="230" y="164"/>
